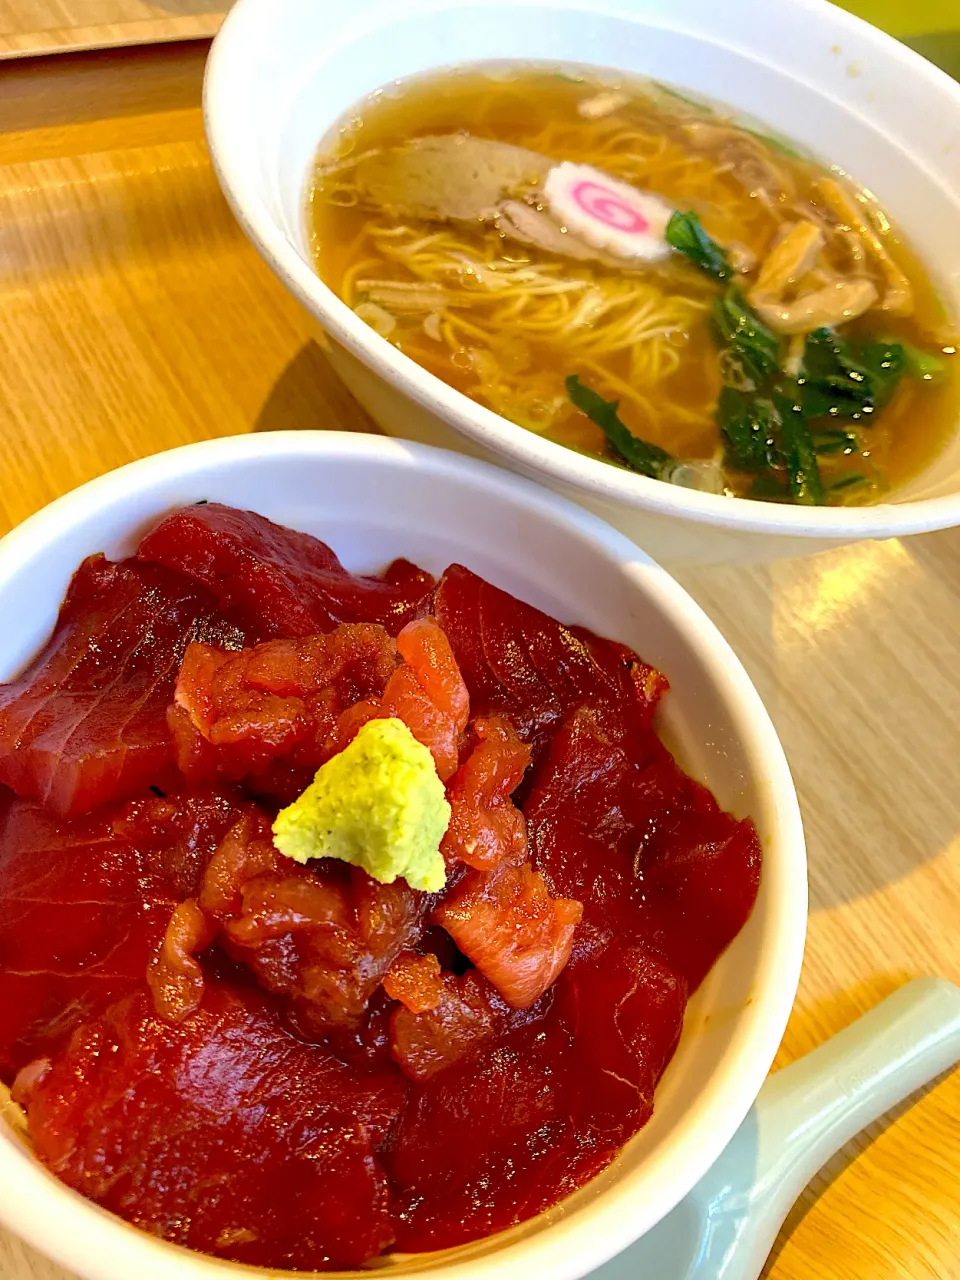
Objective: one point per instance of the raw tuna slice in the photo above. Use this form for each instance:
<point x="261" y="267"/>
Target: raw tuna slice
<point x="426" y="692"/>
<point x="507" y="923"/>
<point x="646" y="849"/>
<point x="523" y="664"/>
<point x="486" y="827"/>
<point x="83" y="904"/>
<point x="489" y="1141"/>
<point x="275" y="582"/>
<point x="623" y="1010"/>
<point x="223" y="1134"/>
<point x="531" y="1115"/>
<point x="321" y="938"/>
<point x="86" y="723"/>
<point x="467" y="1011"/>
<point x="268" y="715"/>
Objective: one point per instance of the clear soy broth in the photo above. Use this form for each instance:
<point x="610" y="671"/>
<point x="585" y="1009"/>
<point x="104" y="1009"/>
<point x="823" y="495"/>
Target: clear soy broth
<point x="506" y="323"/>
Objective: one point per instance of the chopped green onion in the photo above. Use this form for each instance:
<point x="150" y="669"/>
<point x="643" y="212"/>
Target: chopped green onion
<point x="885" y="362"/>
<point x="703" y="107"/>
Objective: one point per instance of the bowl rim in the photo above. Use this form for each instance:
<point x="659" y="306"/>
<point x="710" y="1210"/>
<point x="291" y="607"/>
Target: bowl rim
<point x="595" y="480"/>
<point x="75" y="1232"/>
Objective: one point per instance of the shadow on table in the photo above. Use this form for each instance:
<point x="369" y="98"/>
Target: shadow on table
<point x="308" y="396"/>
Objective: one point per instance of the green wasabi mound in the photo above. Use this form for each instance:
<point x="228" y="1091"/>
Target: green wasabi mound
<point x="378" y="804"/>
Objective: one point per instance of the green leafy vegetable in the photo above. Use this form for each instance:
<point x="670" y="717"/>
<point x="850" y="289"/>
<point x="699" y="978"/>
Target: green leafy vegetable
<point x="847" y="481"/>
<point x="840" y="381"/>
<point x="769" y="487"/>
<point x="685" y="233"/>
<point x="702" y="107"/>
<point x="885" y="363"/>
<point x="803" y="471"/>
<point x="765" y="416"/>
<point x="827" y="442"/>
<point x="755" y="347"/>
<point x="922" y="364"/>
<point x="646" y="459"/>
<point x="750" y="427"/>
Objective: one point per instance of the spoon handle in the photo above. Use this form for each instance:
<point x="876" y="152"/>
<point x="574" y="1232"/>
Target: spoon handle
<point x="818" y="1103"/>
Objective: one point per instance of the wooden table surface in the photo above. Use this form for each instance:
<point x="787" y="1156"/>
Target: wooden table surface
<point x="38" y="26"/>
<point x="134" y="317"/>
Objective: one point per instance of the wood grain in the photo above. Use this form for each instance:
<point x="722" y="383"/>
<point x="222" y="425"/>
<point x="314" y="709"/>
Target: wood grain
<point x="135" y="317"/>
<point x="30" y="27"/>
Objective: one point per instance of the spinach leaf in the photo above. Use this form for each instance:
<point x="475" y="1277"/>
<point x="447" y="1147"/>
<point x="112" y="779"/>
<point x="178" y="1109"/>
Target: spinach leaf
<point x="769" y="487"/>
<point x="847" y="481"/>
<point x="922" y="364"/>
<point x="646" y="459"/>
<point x="750" y="426"/>
<point x="703" y="107"/>
<point x="845" y="442"/>
<point x="885" y="363"/>
<point x="686" y="234"/>
<point x="839" y="381"/>
<point x="803" y="472"/>
<point x="754" y="345"/>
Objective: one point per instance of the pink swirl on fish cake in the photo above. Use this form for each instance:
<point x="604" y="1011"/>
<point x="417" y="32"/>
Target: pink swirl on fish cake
<point x="606" y="206"/>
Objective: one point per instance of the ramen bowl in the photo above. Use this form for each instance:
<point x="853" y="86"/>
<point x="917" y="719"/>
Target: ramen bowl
<point x="372" y="499"/>
<point x="283" y="72"/>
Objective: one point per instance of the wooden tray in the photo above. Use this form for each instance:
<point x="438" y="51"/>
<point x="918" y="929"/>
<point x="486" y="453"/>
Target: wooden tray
<point x="48" y="26"/>
<point x="134" y="316"/>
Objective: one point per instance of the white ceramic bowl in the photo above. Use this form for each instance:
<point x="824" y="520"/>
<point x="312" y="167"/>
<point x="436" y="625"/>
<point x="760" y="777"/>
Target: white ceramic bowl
<point x="373" y="499"/>
<point x="283" y="71"/>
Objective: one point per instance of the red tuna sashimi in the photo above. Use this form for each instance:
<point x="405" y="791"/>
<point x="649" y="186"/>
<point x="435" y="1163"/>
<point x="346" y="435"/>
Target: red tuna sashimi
<point x="426" y="650"/>
<point x="535" y="1113"/>
<point x="325" y="938"/>
<point x="275" y="582"/>
<point x="623" y="1010"/>
<point x="451" y="1120"/>
<point x="223" y="1134"/>
<point x="86" y="723"/>
<point x="83" y="904"/>
<point x="322" y="938"/>
<point x="179" y="834"/>
<point x="507" y="923"/>
<point x="523" y="664"/>
<point x="426" y="692"/>
<point x="415" y="980"/>
<point x="489" y="1141"/>
<point x="268" y="715"/>
<point x="486" y="827"/>
<point x="646" y="849"/>
<point x="447" y="1018"/>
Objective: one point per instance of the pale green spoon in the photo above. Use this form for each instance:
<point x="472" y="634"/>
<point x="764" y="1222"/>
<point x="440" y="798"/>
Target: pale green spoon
<point x="726" y="1226"/>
